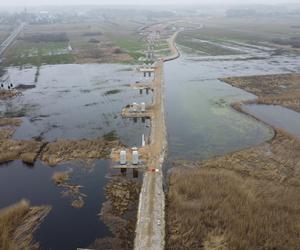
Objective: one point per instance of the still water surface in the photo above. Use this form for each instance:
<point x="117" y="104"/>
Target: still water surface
<point x="277" y="116"/>
<point x="200" y="121"/>
<point x="70" y="101"/>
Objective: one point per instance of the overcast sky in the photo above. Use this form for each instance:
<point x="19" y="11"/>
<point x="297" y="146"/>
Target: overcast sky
<point x="139" y="2"/>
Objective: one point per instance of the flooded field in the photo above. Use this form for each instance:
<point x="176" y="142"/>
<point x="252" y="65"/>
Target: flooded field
<point x="200" y="121"/>
<point x="75" y="102"/>
<point x="92" y="205"/>
<point x="65" y="227"/>
<point x="211" y="194"/>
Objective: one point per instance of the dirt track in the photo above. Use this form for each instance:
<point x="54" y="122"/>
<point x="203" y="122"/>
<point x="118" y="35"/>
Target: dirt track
<point x="150" y="229"/>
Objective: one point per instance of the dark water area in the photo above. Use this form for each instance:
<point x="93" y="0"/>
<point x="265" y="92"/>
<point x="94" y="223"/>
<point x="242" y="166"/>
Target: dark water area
<point x="77" y="101"/>
<point x="200" y="122"/>
<point x="277" y="116"/>
<point x="65" y="227"/>
<point x="74" y="102"/>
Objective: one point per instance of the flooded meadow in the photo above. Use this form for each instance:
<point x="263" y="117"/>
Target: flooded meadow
<point x="75" y="102"/>
<point x="200" y="121"/>
<point x="92" y="204"/>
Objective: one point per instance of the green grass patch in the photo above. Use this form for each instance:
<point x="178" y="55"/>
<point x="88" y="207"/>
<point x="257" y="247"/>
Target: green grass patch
<point x="36" y="54"/>
<point x="132" y="44"/>
<point x="192" y="41"/>
<point x="112" y="92"/>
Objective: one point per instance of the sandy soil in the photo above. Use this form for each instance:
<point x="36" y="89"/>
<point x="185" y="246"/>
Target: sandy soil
<point x="281" y="89"/>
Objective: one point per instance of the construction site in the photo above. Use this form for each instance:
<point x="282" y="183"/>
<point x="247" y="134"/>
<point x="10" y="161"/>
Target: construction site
<point x="108" y="142"/>
<point x="150" y="228"/>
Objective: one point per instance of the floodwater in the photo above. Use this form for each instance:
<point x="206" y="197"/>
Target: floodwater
<point x="200" y="122"/>
<point x="277" y="116"/>
<point x="85" y="101"/>
<point x="65" y="227"/>
<point x="77" y="101"/>
<point x="70" y="101"/>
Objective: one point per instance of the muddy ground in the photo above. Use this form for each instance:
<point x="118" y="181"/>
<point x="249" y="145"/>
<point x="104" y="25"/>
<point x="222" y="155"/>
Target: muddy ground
<point x="18" y="224"/>
<point x="281" y="89"/>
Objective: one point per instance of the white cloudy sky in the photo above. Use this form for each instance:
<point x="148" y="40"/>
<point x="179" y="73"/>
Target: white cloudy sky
<point x="140" y="2"/>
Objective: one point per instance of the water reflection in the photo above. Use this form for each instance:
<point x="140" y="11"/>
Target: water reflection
<point x="200" y="121"/>
<point x="73" y="101"/>
<point x="76" y="101"/>
<point x="277" y="116"/>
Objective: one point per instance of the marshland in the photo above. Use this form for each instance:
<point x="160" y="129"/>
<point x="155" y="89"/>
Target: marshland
<point x="229" y="103"/>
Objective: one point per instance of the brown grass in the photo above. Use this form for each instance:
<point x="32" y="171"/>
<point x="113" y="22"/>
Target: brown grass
<point x="65" y="150"/>
<point x="10" y="219"/>
<point x="60" y="177"/>
<point x="17" y="225"/>
<point x="245" y="200"/>
<point x="7" y="94"/>
<point x="281" y="89"/>
<point x="27" y="151"/>
<point x="10" y="122"/>
<point x="6" y="133"/>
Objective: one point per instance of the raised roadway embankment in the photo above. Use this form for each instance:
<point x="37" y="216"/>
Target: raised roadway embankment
<point x="150" y="228"/>
<point x="9" y="41"/>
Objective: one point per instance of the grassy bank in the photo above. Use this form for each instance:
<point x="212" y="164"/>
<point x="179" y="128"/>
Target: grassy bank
<point x="248" y="199"/>
<point x="18" y="223"/>
<point x="245" y="200"/>
<point x="281" y="89"/>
